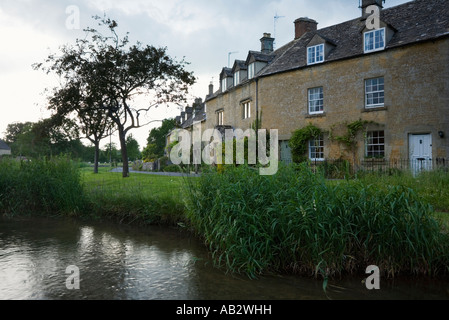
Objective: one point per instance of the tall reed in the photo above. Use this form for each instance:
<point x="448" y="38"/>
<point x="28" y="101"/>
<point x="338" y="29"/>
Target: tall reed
<point x="296" y="222"/>
<point x="41" y="186"/>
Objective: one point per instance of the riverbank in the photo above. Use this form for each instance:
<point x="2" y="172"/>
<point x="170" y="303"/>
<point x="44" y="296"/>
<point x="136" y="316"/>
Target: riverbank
<point x="263" y="218"/>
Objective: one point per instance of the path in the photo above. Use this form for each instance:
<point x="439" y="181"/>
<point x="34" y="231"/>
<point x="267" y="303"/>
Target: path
<point x="168" y="174"/>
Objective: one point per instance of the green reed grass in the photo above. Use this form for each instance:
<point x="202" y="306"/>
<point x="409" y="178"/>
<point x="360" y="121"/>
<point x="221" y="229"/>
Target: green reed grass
<point x="432" y="186"/>
<point x="41" y="186"/>
<point x="296" y="222"/>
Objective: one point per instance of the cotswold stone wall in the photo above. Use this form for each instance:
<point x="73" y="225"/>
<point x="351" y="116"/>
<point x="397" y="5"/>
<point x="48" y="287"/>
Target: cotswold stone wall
<point x="416" y="99"/>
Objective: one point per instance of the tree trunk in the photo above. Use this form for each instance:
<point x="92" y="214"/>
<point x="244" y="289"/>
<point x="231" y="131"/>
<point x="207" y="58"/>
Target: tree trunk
<point x="97" y="156"/>
<point x="122" y="136"/>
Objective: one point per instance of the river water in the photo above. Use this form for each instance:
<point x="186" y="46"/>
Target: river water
<point x="117" y="262"/>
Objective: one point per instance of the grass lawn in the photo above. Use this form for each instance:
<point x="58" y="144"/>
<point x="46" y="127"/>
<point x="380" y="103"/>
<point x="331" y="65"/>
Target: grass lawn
<point x="141" y="189"/>
<point x="114" y="182"/>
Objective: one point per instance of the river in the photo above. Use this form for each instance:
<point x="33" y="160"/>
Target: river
<point x="118" y="262"/>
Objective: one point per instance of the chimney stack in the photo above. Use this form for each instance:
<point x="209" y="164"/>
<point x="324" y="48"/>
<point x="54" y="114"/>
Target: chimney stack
<point x="267" y="43"/>
<point x="367" y="3"/>
<point x="211" y="89"/>
<point x="304" y="25"/>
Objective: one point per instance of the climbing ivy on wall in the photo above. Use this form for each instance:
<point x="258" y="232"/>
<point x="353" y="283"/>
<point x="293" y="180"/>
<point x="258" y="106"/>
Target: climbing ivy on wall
<point x="300" y="141"/>
<point x="349" y="140"/>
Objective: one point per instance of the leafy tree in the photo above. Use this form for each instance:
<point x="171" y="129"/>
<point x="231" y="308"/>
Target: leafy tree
<point x="14" y="130"/>
<point x="74" y="99"/>
<point x="112" y="73"/>
<point x="112" y="153"/>
<point x="45" y="138"/>
<point x="157" y="140"/>
<point x="133" y="148"/>
<point x="149" y="153"/>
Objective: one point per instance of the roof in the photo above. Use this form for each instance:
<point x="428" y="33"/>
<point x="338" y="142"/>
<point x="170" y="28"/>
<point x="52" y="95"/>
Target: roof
<point x="254" y="56"/>
<point x="226" y="72"/>
<point x="200" y="116"/>
<point x="415" y="21"/>
<point x="239" y="65"/>
<point x="4" y="146"/>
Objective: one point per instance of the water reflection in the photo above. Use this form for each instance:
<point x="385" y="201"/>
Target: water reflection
<point x="120" y="262"/>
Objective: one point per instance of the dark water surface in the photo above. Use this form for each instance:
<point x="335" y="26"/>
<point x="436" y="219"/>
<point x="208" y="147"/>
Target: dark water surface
<point x="131" y="263"/>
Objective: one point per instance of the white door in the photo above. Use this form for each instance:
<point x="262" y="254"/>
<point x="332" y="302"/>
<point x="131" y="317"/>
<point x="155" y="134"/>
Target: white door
<point x="420" y="152"/>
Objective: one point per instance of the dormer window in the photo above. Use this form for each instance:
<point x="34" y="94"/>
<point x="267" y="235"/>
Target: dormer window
<point x="224" y="84"/>
<point x="374" y="40"/>
<point x="315" y="54"/>
<point x="236" y="78"/>
<point x="251" y="70"/>
<point x="227" y="79"/>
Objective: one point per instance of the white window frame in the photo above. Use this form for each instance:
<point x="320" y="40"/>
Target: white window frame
<point x="315" y="54"/>
<point x="247" y="110"/>
<point x="237" y="78"/>
<point x="373" y="36"/>
<point x="220" y="118"/>
<point x="312" y="94"/>
<point x="377" y="91"/>
<point x="252" y="70"/>
<point x="314" y="144"/>
<point x="224" y="84"/>
<point x="375" y="140"/>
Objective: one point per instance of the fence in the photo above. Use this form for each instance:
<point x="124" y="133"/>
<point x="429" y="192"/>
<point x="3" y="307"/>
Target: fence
<point x="338" y="169"/>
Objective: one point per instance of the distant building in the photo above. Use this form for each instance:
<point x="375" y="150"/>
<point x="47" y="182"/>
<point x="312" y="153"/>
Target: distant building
<point x="395" y="76"/>
<point x="188" y="119"/>
<point x="4" y="148"/>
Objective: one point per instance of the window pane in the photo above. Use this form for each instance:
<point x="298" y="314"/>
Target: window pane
<point x="375" y="144"/>
<point x="316" y="148"/>
<point x="316" y="100"/>
<point x="375" y="40"/>
<point x="375" y="92"/>
<point x="315" y="54"/>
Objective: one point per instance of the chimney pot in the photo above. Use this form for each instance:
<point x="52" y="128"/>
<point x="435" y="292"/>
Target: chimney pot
<point x="304" y="25"/>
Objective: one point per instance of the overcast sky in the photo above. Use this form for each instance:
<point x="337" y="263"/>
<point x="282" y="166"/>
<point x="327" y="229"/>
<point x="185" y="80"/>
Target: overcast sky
<point x="202" y="31"/>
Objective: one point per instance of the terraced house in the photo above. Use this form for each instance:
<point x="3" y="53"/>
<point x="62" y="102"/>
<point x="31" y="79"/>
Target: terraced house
<point x="394" y="79"/>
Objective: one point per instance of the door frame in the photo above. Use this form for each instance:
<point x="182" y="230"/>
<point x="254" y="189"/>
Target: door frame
<point x="424" y="163"/>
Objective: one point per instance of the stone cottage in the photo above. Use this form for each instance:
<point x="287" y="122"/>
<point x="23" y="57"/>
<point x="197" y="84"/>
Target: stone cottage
<point x="393" y="79"/>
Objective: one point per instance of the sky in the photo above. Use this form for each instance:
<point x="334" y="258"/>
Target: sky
<point x="202" y="32"/>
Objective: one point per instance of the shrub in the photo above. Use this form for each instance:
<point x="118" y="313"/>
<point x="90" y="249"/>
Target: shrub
<point x="300" y="140"/>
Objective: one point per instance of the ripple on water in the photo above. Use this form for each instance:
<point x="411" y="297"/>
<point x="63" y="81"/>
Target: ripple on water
<point x="119" y="262"/>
